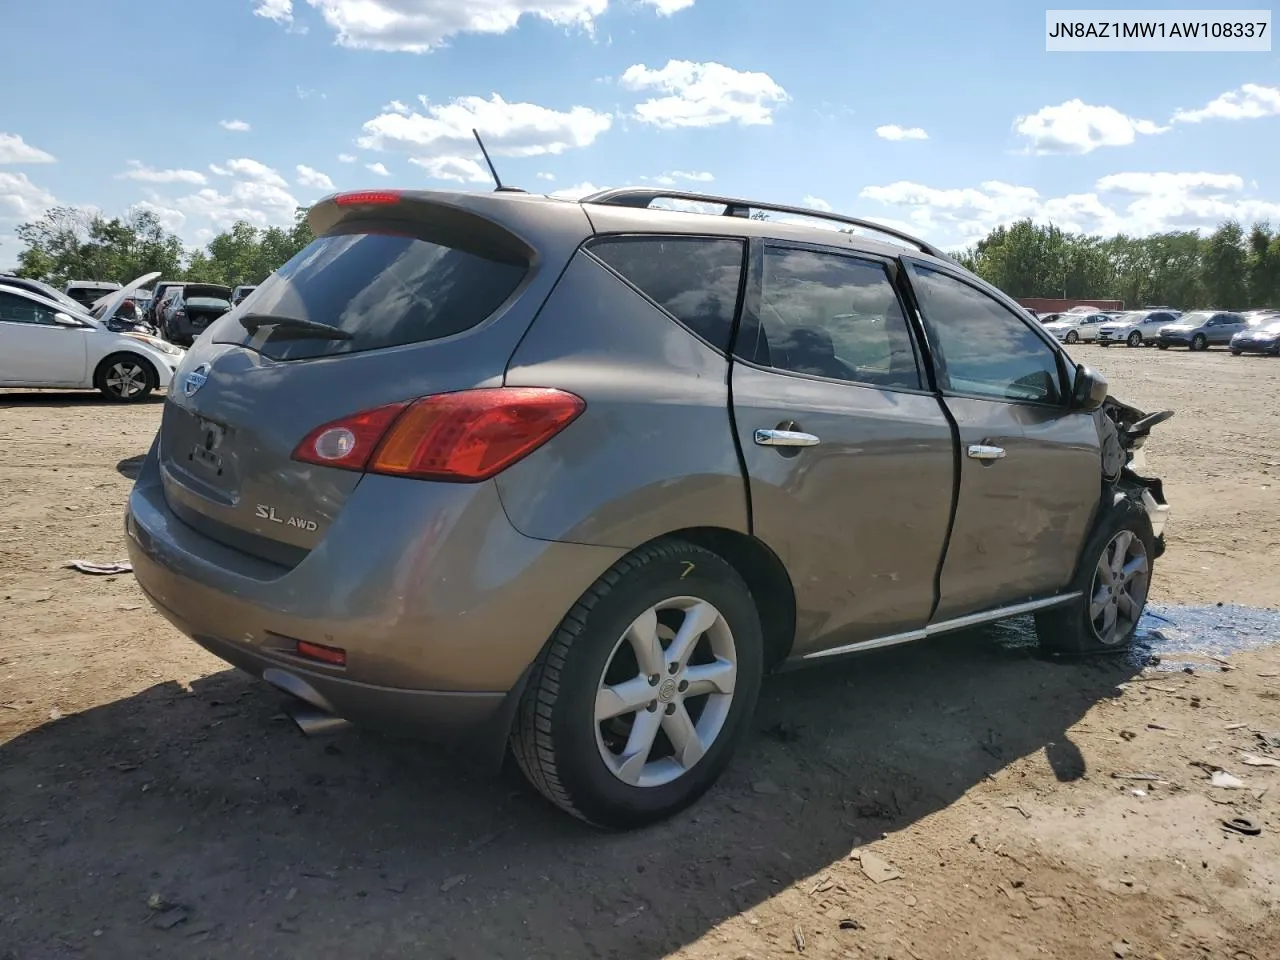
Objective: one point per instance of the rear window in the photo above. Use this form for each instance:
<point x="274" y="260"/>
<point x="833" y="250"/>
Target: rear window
<point x="386" y="289"/>
<point x="208" y="303"/>
<point x="694" y="279"/>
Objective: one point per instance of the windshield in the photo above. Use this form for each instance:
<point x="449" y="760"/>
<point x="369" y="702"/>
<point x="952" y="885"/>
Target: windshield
<point x="207" y="303"/>
<point x="1133" y="316"/>
<point x="1195" y="318"/>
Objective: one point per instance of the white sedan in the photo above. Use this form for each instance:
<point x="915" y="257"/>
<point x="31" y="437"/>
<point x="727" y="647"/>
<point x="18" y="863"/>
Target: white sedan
<point x="43" y="343"/>
<point x="1074" y="327"/>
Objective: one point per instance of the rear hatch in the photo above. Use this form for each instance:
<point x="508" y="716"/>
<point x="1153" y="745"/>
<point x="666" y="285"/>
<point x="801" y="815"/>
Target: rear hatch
<point x="205" y="303"/>
<point x="400" y="296"/>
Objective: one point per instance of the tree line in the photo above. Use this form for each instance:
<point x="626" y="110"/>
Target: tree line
<point x="1228" y="269"/>
<point x="69" y="243"/>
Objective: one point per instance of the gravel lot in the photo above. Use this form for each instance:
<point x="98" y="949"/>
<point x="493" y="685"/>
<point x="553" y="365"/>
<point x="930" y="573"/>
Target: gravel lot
<point x="154" y="802"/>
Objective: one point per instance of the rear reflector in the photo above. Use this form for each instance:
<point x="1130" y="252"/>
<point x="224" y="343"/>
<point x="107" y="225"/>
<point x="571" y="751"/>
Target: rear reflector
<point x="461" y="437"/>
<point x="364" y="197"/>
<point x="334" y="656"/>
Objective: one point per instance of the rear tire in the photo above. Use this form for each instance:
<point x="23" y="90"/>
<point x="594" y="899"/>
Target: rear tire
<point x="616" y="767"/>
<point x="1163" y="346"/>
<point x="1235" y="353"/>
<point x="1113" y="578"/>
<point x="125" y="378"/>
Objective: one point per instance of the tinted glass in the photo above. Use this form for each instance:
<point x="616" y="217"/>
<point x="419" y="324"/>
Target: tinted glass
<point x="981" y="347"/>
<point x="695" y="280"/>
<point x="831" y="316"/>
<point x="385" y="289"/>
<point x="16" y="309"/>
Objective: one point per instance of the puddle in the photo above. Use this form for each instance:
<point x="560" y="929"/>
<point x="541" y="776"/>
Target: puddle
<point x="1173" y="633"/>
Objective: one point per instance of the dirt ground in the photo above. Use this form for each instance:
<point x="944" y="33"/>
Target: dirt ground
<point x="154" y="803"/>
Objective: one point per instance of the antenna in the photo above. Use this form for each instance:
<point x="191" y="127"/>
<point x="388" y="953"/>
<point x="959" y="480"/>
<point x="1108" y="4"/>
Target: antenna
<point x="492" y="169"/>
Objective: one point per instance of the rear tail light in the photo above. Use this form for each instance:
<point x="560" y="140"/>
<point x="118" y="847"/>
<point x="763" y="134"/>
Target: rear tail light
<point x="461" y="437"/>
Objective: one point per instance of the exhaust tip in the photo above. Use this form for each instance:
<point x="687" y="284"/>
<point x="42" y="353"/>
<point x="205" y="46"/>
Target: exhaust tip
<point x="316" y="723"/>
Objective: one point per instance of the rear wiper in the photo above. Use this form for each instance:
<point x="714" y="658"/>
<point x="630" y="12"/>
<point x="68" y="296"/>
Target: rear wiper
<point x="293" y="327"/>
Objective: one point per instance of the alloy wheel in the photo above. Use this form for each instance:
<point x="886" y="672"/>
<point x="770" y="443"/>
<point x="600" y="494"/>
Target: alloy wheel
<point x="1120" y="585"/>
<point x="1135" y="339"/>
<point x="126" y="379"/>
<point x="665" y="692"/>
<point x="1072" y="336"/>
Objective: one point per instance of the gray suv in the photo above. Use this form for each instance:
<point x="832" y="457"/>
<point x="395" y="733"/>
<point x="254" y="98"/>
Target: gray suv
<point x="569" y="478"/>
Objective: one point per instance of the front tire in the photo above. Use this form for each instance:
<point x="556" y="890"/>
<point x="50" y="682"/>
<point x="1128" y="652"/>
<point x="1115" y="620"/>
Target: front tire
<point x="125" y="378"/>
<point x="1163" y="346"/>
<point x="1199" y="342"/>
<point x="1113" y="578"/>
<point x="636" y="705"/>
<point x="1073" y="337"/>
<point x="1135" y="339"/>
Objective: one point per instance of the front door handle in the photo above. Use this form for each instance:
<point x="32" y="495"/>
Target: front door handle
<point x="985" y="451"/>
<point x="785" y="438"/>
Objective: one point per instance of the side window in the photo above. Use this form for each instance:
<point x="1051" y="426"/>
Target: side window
<point x="694" y="279"/>
<point x="980" y="346"/>
<point x="830" y="315"/>
<point x="15" y="309"/>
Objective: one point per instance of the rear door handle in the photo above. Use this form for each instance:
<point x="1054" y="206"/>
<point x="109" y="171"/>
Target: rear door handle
<point x="984" y="451"/>
<point x="785" y="438"/>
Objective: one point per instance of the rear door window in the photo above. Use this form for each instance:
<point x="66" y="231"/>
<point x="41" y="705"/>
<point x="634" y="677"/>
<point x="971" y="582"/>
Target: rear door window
<point x="695" y="279"/>
<point x="831" y="315"/>
<point x="384" y="288"/>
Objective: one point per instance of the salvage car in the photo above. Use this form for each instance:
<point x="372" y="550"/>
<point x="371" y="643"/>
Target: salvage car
<point x="1075" y="327"/>
<point x="241" y="292"/>
<point x="1264" y="338"/>
<point x="567" y="478"/>
<point x="86" y="292"/>
<point x="1201" y="329"/>
<point x="1137" y="328"/>
<point x="45" y="343"/>
<point x="187" y="310"/>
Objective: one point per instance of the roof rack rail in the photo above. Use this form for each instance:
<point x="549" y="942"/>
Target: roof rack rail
<point x="643" y="197"/>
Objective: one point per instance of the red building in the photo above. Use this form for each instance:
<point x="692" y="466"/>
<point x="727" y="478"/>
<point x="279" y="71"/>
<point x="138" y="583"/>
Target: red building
<point x="1048" y="305"/>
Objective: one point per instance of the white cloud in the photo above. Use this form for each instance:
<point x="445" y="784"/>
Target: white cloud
<point x="1133" y="203"/>
<point x="666" y="8"/>
<point x="307" y="177"/>
<point x="281" y="11"/>
<point x="248" y="169"/>
<point x="142" y="173"/>
<point x="378" y="168"/>
<point x="816" y="203"/>
<point x="13" y="149"/>
<point x="1078" y="127"/>
<point x="306" y="93"/>
<point x="546" y="176"/>
<point x="703" y="94"/>
<point x="396" y="106"/>
<point x="509" y="129"/>
<point x="577" y="191"/>
<point x="261" y="204"/>
<point x="237" y="126"/>
<point x="891" y="131"/>
<point x="416" y="26"/>
<point x="458" y="169"/>
<point x="171" y="219"/>
<point x="346" y="158"/>
<point x="22" y="199"/>
<point x="1249" y="102"/>
<point x="673" y="177"/>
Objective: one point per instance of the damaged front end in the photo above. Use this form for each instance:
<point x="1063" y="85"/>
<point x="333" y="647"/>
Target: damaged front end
<point x="1123" y="430"/>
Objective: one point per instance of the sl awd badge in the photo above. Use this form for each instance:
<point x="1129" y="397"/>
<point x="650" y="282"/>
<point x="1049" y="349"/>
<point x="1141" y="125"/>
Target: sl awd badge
<point x="264" y="512"/>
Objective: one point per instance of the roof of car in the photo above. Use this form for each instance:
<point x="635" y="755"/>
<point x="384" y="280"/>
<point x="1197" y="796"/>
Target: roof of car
<point x="618" y="211"/>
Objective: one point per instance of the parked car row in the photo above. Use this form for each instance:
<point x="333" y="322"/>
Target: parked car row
<point x="1165" y="328"/>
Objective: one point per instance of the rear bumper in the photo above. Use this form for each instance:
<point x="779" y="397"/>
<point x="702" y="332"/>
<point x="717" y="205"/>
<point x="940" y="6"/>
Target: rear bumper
<point x="439" y="603"/>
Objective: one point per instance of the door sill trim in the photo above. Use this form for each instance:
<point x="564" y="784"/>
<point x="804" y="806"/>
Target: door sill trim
<point x="946" y="626"/>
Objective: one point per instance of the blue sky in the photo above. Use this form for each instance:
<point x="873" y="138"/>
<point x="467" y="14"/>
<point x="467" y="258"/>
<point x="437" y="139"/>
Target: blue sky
<point x="949" y="118"/>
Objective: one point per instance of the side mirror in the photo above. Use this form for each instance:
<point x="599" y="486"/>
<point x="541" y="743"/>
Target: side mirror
<point x="1090" y="389"/>
<point x="66" y="320"/>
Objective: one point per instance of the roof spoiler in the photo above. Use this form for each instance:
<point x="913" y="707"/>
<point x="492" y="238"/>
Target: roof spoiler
<point x="643" y="197"/>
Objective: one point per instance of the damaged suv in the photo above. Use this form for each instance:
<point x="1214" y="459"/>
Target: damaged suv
<point x="568" y="478"/>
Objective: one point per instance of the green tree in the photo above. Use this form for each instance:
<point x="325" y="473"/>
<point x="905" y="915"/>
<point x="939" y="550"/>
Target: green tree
<point x="69" y="243"/>
<point x="1264" y="266"/>
<point x="1224" y="273"/>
